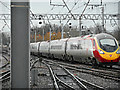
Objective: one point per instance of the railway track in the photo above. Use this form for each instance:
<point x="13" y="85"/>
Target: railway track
<point x="5" y="76"/>
<point x="113" y="69"/>
<point x="63" y="78"/>
<point x="5" y="67"/>
<point x="52" y="64"/>
<point x="107" y="69"/>
<point x="107" y="74"/>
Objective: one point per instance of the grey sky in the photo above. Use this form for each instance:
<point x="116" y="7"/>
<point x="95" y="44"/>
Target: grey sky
<point x="43" y="6"/>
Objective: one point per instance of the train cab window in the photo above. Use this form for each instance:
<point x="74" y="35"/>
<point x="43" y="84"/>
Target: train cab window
<point x="109" y="42"/>
<point x="109" y="45"/>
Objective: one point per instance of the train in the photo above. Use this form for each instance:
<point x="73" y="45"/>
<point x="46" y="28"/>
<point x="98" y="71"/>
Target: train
<point x="97" y="49"/>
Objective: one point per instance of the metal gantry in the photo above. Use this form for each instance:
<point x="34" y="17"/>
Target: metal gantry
<point x="5" y="17"/>
<point x="67" y="16"/>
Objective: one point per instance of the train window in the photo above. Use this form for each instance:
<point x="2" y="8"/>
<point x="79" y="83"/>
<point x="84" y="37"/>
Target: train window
<point x="110" y="42"/>
<point x="108" y="45"/>
<point x="56" y="47"/>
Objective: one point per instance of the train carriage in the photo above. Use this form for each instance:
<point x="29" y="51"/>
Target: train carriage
<point x="34" y="48"/>
<point x="44" y="49"/>
<point x="97" y="49"/>
<point x="106" y="49"/>
<point x="57" y="48"/>
<point x="80" y="49"/>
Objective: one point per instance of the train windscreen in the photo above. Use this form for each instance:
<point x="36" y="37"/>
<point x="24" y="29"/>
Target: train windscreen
<point x="108" y="45"/>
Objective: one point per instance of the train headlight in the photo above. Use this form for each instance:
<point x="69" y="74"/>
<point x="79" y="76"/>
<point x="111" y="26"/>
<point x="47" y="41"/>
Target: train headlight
<point x="118" y="52"/>
<point x="100" y="51"/>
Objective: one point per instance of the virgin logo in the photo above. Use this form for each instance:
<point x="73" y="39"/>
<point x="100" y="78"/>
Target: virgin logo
<point x="110" y="55"/>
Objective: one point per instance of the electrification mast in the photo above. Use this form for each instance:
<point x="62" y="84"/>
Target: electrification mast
<point x="20" y="41"/>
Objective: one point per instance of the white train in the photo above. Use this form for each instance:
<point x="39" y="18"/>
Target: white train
<point x="96" y="49"/>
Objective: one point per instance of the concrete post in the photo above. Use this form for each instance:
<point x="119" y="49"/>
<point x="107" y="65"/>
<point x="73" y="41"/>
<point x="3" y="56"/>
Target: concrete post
<point x="62" y="36"/>
<point x="34" y="77"/>
<point x="103" y="30"/>
<point x="119" y="14"/>
<point x="0" y="56"/>
<point x="50" y="34"/>
<point x="20" y="40"/>
<point x="35" y="34"/>
<point x="80" y="23"/>
<point x="43" y="34"/>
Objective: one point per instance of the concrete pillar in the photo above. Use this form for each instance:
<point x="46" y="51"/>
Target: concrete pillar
<point x="50" y="33"/>
<point x="0" y="56"/>
<point x="80" y="25"/>
<point x="20" y="41"/>
<point x="34" y="76"/>
<point x="62" y="27"/>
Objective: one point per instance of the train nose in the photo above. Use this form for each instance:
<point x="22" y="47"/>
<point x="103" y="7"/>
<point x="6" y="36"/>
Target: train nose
<point x="110" y="56"/>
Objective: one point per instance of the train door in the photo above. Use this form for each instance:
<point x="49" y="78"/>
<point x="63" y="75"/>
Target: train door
<point x="87" y="47"/>
<point x="81" y="47"/>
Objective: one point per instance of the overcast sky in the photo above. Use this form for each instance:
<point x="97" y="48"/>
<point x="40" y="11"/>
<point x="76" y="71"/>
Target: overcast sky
<point x="44" y="7"/>
<point x="64" y="0"/>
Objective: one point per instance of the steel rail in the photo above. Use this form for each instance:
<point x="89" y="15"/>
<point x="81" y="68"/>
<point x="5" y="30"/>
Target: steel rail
<point x="82" y="86"/>
<point x="33" y="64"/>
<point x="53" y="76"/>
<point x="79" y="83"/>
<point x="64" y="84"/>
<point x="4" y="65"/>
<point x="5" y="76"/>
<point x="3" y="52"/>
<point x="4" y="72"/>
<point x="96" y="72"/>
<point x="5" y="57"/>
<point x="82" y="80"/>
<point x="106" y="76"/>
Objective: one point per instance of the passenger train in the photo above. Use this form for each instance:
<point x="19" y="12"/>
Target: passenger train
<point x="98" y="49"/>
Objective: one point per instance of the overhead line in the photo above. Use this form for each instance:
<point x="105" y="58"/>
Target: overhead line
<point x="68" y="9"/>
<point x="4" y="5"/>
<point x="84" y="9"/>
<point x="55" y="4"/>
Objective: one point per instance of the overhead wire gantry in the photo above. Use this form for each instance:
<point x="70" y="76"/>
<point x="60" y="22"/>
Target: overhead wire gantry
<point x="67" y="16"/>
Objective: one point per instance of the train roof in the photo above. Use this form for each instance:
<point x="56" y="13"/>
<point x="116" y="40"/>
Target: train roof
<point x="103" y="35"/>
